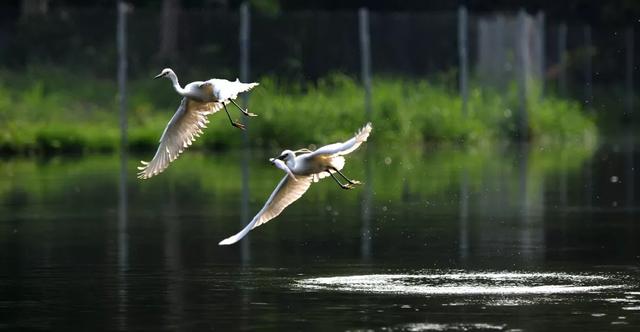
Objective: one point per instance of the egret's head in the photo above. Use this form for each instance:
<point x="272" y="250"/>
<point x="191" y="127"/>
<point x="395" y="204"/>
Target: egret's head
<point x="281" y="162"/>
<point x="164" y="73"/>
<point x="284" y="156"/>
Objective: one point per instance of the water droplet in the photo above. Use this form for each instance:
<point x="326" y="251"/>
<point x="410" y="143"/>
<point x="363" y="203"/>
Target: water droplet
<point x="614" y="179"/>
<point x="387" y="161"/>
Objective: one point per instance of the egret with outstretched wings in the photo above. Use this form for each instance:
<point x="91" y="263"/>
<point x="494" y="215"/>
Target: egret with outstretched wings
<point x="301" y="170"/>
<point x="199" y="99"/>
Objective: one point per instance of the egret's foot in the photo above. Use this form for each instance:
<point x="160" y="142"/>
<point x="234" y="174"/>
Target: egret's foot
<point x="247" y="113"/>
<point x="355" y="182"/>
<point x="238" y="125"/>
<point x="347" y="186"/>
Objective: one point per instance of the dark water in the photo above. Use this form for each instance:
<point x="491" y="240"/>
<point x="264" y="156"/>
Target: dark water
<point x="503" y="238"/>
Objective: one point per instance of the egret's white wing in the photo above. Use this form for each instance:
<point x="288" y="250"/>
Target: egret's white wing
<point x="185" y="126"/>
<point x="225" y="89"/>
<point x="340" y="149"/>
<point x="287" y="192"/>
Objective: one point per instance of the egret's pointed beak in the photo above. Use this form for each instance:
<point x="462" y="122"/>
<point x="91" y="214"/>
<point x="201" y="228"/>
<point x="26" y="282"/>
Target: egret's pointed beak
<point x="158" y="76"/>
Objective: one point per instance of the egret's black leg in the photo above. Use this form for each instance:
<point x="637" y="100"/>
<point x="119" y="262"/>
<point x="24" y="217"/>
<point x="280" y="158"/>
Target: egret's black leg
<point x="353" y="182"/>
<point x="343" y="186"/>
<point x="244" y="111"/>
<point x="233" y="123"/>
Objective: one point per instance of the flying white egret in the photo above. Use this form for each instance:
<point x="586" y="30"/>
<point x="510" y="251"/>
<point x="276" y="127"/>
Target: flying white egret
<point x="302" y="170"/>
<point x="200" y="99"/>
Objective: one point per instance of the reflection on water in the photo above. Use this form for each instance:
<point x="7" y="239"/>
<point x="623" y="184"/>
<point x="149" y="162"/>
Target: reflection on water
<point x="462" y="283"/>
<point x="123" y="246"/>
<point x="84" y="243"/>
<point x="415" y="327"/>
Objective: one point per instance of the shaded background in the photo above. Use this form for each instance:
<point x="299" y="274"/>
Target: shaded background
<point x="85" y="245"/>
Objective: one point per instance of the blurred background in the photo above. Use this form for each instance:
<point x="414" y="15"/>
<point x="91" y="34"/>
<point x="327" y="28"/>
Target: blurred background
<point x="459" y="71"/>
<point x="504" y="139"/>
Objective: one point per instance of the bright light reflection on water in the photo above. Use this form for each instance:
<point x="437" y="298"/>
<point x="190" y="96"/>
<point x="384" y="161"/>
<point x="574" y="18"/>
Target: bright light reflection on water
<point x="448" y="327"/>
<point x="465" y="283"/>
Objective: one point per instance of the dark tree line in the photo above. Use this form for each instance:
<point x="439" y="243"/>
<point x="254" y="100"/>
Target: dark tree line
<point x="612" y="12"/>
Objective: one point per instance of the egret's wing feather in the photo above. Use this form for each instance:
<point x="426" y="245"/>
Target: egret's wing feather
<point x="181" y="131"/>
<point x="225" y="89"/>
<point x="287" y="192"/>
<point x="340" y="149"/>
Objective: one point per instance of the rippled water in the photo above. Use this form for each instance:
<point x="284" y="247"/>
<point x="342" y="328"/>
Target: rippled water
<point x="466" y="283"/>
<point x="507" y="239"/>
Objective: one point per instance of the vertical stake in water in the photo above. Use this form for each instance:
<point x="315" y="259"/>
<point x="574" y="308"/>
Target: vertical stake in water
<point x="588" y="70"/>
<point x="463" y="245"/>
<point x="463" y="242"/>
<point x="123" y="247"/>
<point x="122" y="70"/>
<point x="244" y="77"/>
<point x="562" y="59"/>
<point x="540" y="41"/>
<point x="588" y="100"/>
<point x="245" y="26"/>
<point x="365" y="61"/>
<point x="523" y="66"/>
<point x="463" y="56"/>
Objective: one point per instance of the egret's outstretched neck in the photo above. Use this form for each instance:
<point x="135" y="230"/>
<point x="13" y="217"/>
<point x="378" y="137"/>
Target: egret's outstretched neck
<point x="291" y="160"/>
<point x="175" y="83"/>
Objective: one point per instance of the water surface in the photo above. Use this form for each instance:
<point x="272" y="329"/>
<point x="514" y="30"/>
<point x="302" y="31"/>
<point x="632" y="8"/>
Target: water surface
<point x="507" y="238"/>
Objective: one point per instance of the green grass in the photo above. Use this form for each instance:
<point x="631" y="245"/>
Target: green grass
<point x="48" y="110"/>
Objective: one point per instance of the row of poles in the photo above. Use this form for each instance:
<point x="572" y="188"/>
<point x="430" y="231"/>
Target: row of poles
<point x="366" y="77"/>
<point x="463" y="59"/>
<point x="123" y="9"/>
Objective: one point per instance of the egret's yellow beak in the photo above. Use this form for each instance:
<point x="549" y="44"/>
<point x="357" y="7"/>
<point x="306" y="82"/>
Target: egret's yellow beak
<point x="158" y="76"/>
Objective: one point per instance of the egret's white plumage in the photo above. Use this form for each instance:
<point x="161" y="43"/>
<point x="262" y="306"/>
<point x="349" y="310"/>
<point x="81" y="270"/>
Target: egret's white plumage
<point x="200" y="99"/>
<point x="302" y="170"/>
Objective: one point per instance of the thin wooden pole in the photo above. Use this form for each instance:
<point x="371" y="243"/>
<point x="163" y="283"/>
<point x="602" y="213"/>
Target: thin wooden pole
<point x="523" y="70"/>
<point x="588" y="70"/>
<point x="122" y="239"/>
<point x="463" y="56"/>
<point x="562" y="59"/>
<point x="122" y="70"/>
<point x="365" y="62"/>
<point x="540" y="38"/>
<point x="244" y="40"/>
<point x="365" y="59"/>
